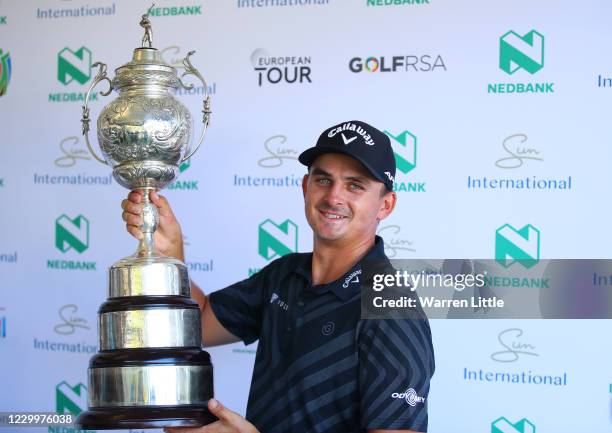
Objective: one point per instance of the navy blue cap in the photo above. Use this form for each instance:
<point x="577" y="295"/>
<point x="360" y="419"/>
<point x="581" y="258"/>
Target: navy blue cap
<point x="371" y="147"/>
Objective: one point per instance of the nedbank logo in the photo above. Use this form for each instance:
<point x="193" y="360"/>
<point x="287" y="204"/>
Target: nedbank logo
<point x="405" y="153"/>
<point x="70" y="399"/>
<point x="5" y="71"/>
<point x="185" y="165"/>
<point x="186" y="185"/>
<point x="176" y="10"/>
<point x="521" y="52"/>
<point x="502" y="425"/>
<point x="512" y="245"/>
<point x="277" y="239"/>
<point x="74" y="65"/>
<point x="72" y="233"/>
<point x="404" y="150"/>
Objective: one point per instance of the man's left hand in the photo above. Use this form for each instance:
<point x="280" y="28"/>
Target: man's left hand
<point x="229" y="422"/>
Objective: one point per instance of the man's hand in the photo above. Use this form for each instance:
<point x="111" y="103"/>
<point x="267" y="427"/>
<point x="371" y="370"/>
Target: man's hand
<point x="229" y="422"/>
<point x="168" y="237"/>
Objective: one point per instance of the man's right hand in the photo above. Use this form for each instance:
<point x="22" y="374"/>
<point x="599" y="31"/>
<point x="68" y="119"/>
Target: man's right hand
<point x="168" y="236"/>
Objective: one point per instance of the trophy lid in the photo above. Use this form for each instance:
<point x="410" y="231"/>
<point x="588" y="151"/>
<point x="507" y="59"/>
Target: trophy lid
<point x="147" y="66"/>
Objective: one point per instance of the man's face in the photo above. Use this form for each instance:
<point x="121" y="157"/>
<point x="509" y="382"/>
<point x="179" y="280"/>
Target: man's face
<point x="342" y="200"/>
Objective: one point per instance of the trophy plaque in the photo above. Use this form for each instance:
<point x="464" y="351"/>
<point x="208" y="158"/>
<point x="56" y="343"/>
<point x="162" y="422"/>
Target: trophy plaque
<point x="151" y="370"/>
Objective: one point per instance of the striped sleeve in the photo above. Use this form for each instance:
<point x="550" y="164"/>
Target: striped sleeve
<point x="396" y="363"/>
<point x="239" y="307"/>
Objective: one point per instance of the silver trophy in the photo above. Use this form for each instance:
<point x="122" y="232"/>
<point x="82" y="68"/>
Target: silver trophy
<point x="151" y="370"/>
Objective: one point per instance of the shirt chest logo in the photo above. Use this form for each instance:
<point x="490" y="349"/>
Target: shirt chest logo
<point x="276" y="300"/>
<point x="352" y="278"/>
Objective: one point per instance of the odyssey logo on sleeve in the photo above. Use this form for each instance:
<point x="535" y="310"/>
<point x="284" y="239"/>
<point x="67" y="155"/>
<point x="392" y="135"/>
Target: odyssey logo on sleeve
<point x="411" y="397"/>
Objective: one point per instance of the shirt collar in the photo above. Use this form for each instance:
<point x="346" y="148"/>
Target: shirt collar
<point x="348" y="284"/>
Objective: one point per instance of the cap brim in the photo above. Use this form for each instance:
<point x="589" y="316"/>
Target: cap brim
<point x="308" y="156"/>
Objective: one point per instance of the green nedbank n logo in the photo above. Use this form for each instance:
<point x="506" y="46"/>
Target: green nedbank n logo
<point x="277" y="239"/>
<point x="521" y="52"/>
<point x="502" y="425"/>
<point x="72" y="233"/>
<point x="404" y="150"/>
<point x="74" y="65"/>
<point x="512" y="245"/>
<point x="70" y="399"/>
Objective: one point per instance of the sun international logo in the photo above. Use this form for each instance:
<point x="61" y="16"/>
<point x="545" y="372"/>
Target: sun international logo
<point x="173" y="55"/>
<point x="71" y="234"/>
<point x="502" y="425"/>
<point x="396" y="2"/>
<point x="279" y="3"/>
<point x="281" y="69"/>
<point x="517" y="153"/>
<point x="405" y="151"/>
<point x="275" y="240"/>
<point x="5" y="71"/>
<point x="73" y="66"/>
<point x="405" y="63"/>
<point x="512" y="245"/>
<point x="395" y="244"/>
<point x="72" y="152"/>
<point x="75" y="12"/>
<point x="525" y="53"/>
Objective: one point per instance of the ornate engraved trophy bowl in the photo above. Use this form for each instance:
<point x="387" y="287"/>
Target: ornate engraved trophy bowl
<point x="145" y="132"/>
<point x="151" y="370"/>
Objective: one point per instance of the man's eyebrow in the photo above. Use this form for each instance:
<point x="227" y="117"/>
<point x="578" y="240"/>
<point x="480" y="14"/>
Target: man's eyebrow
<point x="320" y="172"/>
<point x="360" y="179"/>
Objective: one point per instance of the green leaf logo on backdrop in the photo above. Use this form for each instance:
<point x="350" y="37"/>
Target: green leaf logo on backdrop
<point x="521" y="52"/>
<point x="404" y="150"/>
<point x="512" y="245"/>
<point x="5" y="71"/>
<point x="74" y="65"/>
<point x="70" y="399"/>
<point x="277" y="240"/>
<point x="72" y="233"/>
<point x="502" y="425"/>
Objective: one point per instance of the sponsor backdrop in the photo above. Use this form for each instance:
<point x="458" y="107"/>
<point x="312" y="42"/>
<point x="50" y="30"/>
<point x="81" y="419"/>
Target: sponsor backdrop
<point x="496" y="114"/>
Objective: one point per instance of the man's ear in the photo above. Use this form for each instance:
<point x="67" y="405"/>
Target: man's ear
<point x="304" y="184"/>
<point x="387" y="205"/>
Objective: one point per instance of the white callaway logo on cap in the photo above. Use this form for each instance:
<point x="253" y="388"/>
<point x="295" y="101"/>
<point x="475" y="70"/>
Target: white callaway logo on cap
<point x="347" y="140"/>
<point x="352" y="127"/>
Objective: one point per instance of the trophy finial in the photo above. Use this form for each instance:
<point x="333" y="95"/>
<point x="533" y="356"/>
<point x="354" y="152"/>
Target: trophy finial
<point x="145" y="23"/>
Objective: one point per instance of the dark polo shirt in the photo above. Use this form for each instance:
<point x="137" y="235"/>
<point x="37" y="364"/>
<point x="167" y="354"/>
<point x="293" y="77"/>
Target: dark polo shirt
<point x="319" y="366"/>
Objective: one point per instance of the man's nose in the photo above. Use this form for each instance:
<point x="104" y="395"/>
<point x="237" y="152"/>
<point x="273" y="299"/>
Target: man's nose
<point x="335" y="195"/>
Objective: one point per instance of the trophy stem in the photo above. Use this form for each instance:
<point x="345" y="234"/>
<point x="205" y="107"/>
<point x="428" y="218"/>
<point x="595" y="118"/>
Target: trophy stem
<point x="150" y="217"/>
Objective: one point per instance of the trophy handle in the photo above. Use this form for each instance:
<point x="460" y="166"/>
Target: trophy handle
<point x="101" y="76"/>
<point x="190" y="70"/>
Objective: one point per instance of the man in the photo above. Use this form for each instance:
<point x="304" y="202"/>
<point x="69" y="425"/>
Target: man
<point x="319" y="367"/>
